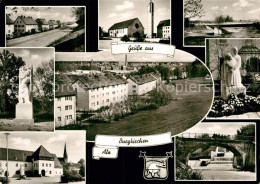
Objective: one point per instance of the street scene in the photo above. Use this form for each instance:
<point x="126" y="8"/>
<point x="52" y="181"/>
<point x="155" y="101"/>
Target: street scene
<point x="111" y="94"/>
<point x="217" y="151"/>
<point x="220" y="19"/>
<point x="134" y="21"/>
<point x="235" y="67"/>
<point x="26" y="89"/>
<point x="59" y="27"/>
<point x="33" y="158"/>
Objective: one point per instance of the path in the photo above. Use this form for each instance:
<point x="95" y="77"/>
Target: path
<point x="38" y="40"/>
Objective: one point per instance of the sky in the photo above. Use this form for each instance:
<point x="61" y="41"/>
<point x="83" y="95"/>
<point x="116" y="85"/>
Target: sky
<point x="64" y="14"/>
<point x="114" y="11"/>
<point x="54" y="142"/>
<point x="33" y="56"/>
<point x="180" y="56"/>
<point x="217" y="128"/>
<point x="238" y="9"/>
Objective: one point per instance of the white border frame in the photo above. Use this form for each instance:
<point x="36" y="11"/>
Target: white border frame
<point x="54" y="7"/>
<point x="212" y="123"/>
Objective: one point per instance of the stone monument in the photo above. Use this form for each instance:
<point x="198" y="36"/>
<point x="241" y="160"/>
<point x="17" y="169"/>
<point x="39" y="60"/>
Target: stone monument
<point x="230" y="75"/>
<point x="24" y="109"/>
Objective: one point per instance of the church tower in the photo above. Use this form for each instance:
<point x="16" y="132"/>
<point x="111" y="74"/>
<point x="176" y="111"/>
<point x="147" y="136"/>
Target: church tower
<point x="65" y="154"/>
<point x="150" y="26"/>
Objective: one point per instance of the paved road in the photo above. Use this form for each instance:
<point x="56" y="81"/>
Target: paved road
<point x="38" y="40"/>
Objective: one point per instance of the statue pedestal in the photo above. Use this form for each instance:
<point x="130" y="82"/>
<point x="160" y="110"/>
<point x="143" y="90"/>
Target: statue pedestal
<point x="232" y="89"/>
<point x="24" y="112"/>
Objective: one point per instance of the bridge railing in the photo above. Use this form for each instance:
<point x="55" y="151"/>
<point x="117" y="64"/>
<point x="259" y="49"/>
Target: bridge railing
<point x="216" y="136"/>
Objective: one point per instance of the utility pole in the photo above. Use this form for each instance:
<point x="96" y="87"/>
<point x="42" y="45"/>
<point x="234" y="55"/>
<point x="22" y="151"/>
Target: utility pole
<point x="7" y="172"/>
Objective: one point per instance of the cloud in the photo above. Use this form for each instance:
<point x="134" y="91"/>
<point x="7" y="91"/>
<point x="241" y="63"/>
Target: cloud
<point x="242" y="4"/>
<point x="24" y="53"/>
<point x="122" y="16"/>
<point x="254" y="11"/>
<point x="59" y="137"/>
<point x="214" y="8"/>
<point x="126" y="5"/>
<point x="20" y="141"/>
<point x="224" y="8"/>
<point x="35" y="56"/>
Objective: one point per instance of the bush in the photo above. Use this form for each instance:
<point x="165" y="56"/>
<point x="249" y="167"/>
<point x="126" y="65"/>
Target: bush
<point x="125" y="38"/>
<point x="33" y="31"/>
<point x="117" y="117"/>
<point x="29" y="173"/>
<point x="71" y="176"/>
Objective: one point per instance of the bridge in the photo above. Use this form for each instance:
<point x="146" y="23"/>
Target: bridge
<point x="242" y="147"/>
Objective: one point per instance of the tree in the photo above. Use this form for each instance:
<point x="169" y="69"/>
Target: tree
<point x="220" y="19"/>
<point x="43" y="82"/>
<point x="9" y="80"/>
<point x="39" y="23"/>
<point x="193" y="8"/>
<point x="246" y="132"/>
<point x="79" y="14"/>
<point x="82" y="167"/>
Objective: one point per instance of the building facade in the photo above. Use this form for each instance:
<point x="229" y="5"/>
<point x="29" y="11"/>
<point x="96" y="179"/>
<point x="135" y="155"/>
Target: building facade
<point x="128" y="28"/>
<point x="142" y="84"/>
<point x="24" y="24"/>
<point x="150" y="15"/>
<point x="38" y="163"/>
<point x="164" y="29"/>
<point x="65" y="105"/>
<point x="45" y="25"/>
<point x="9" y="27"/>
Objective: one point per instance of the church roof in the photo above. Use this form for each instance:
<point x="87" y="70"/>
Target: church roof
<point x="164" y="23"/>
<point x="123" y="24"/>
<point x="16" y="155"/>
<point x="42" y="152"/>
<point x="249" y="49"/>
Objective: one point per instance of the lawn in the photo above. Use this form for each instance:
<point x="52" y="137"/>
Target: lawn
<point x="184" y="112"/>
<point x="9" y="125"/>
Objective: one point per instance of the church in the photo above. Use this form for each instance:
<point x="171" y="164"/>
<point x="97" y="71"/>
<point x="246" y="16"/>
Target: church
<point x="38" y="163"/>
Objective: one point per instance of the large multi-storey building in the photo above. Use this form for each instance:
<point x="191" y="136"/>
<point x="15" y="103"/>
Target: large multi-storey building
<point x="38" y="163"/>
<point x="65" y="105"/>
<point x="164" y="29"/>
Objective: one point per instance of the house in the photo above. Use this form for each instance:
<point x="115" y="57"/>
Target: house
<point x="128" y="27"/>
<point x="164" y="29"/>
<point x="53" y="24"/>
<point x="65" y="105"/>
<point x="45" y="25"/>
<point x="142" y="84"/>
<point x="24" y="24"/>
<point x="21" y="162"/>
<point x="97" y="90"/>
<point x="9" y="27"/>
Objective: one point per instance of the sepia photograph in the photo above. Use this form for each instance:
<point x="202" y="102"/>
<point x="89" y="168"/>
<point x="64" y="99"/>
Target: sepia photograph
<point x="235" y="67"/>
<point x="134" y="21"/>
<point x="217" y="151"/>
<point x="36" y="158"/>
<point x="26" y="89"/>
<point x="130" y="94"/>
<point x="62" y="27"/>
<point x="220" y="19"/>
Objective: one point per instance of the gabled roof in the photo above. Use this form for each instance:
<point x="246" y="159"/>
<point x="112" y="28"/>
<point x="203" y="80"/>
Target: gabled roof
<point x="44" y="22"/>
<point x="145" y="78"/>
<point x="9" y="20"/>
<point x="164" y="23"/>
<point x="27" y="20"/>
<point x="42" y="152"/>
<point x="52" y="22"/>
<point x="16" y="155"/>
<point x="64" y="90"/>
<point x="57" y="163"/>
<point x="123" y="24"/>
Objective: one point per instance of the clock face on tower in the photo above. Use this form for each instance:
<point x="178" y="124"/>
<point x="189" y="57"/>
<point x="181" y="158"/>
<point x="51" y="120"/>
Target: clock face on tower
<point x="137" y="25"/>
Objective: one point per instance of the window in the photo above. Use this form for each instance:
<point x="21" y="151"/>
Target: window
<point x="70" y="117"/>
<point x="134" y="91"/>
<point x="59" y="99"/>
<point x="93" y="104"/>
<point x="59" y="118"/>
<point x="113" y="92"/>
<point x="137" y="26"/>
<point x="66" y="117"/>
<point x="50" y="165"/>
<point x="97" y="103"/>
<point x="25" y="165"/>
<point x="134" y="86"/>
<point x="93" y="97"/>
<point x="70" y="107"/>
<point x="107" y="100"/>
<point x="66" y="107"/>
<point x="46" y="165"/>
<point x="42" y="164"/>
<point x="50" y="172"/>
<point x="16" y="164"/>
<point x="59" y="109"/>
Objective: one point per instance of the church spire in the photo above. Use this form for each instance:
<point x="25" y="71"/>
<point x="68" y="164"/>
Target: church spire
<point x="65" y="154"/>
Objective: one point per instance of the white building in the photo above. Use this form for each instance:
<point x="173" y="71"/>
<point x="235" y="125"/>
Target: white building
<point x="24" y="24"/>
<point x="65" y="105"/>
<point x="142" y="84"/>
<point x="164" y="29"/>
<point x="45" y="25"/>
<point x="38" y="163"/>
<point x="99" y="90"/>
<point x="9" y="27"/>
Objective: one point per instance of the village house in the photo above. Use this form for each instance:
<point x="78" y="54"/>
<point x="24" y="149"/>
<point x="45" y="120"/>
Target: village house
<point x="38" y="163"/>
<point x="65" y="105"/>
<point x="164" y="29"/>
<point x="53" y="24"/>
<point x="24" y="24"/>
<point x="97" y="90"/>
<point x="128" y="28"/>
<point x="142" y="84"/>
<point x="45" y="25"/>
<point x="9" y="27"/>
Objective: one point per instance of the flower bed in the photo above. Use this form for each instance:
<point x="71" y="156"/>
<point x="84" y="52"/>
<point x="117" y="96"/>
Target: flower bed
<point x="236" y="104"/>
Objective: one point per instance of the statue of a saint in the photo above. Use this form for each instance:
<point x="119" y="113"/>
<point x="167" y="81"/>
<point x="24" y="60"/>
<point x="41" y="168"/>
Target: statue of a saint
<point x="25" y="82"/>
